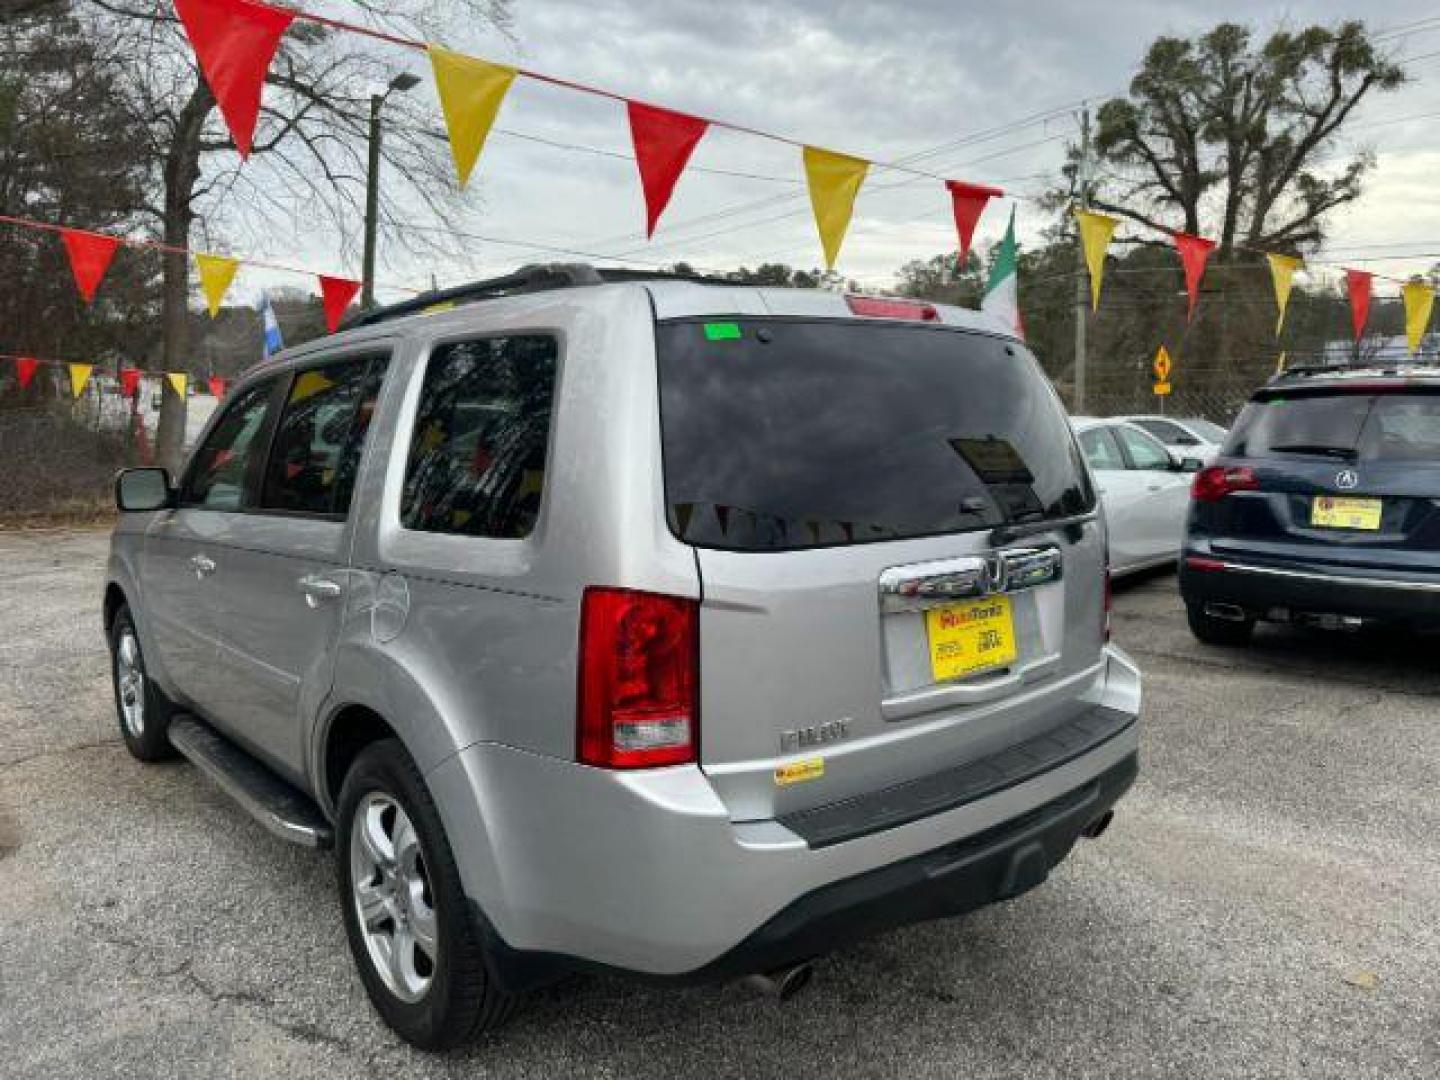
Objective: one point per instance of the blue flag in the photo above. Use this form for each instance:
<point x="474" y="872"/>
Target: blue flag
<point x="273" y="342"/>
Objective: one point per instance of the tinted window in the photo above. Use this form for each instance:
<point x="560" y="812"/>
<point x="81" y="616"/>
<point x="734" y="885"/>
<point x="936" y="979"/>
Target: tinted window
<point x="217" y="475"/>
<point x="1143" y="451"/>
<point x="1100" y="449"/>
<point x="1206" y="430"/>
<point x="1364" y="427"/>
<point x="477" y="456"/>
<point x="1167" y="432"/>
<point x="783" y="434"/>
<point x="315" y="452"/>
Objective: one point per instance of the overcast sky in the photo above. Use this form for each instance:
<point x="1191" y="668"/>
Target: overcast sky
<point x="880" y="80"/>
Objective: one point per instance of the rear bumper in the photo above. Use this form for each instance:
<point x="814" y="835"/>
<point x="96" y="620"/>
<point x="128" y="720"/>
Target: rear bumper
<point x="995" y="865"/>
<point x="645" y="872"/>
<point x="1261" y="587"/>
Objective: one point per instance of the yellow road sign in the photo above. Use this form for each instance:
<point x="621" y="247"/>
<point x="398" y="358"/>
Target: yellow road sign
<point x="1162" y="389"/>
<point x="1162" y="365"/>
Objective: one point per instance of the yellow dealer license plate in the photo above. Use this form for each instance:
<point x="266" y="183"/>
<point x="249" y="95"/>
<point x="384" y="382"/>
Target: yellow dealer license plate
<point x="970" y="637"/>
<point x="1339" y="512"/>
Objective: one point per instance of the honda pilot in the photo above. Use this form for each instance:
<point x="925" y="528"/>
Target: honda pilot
<point x="1323" y="508"/>
<point x="601" y="622"/>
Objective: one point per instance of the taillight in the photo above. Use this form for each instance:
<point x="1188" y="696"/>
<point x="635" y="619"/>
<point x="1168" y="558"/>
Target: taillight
<point x="880" y="307"/>
<point x="639" y="685"/>
<point x="1213" y="483"/>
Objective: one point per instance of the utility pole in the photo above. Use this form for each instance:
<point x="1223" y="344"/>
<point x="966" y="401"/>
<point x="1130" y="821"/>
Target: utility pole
<point x="372" y="205"/>
<point x="1082" y="278"/>
<point x="401" y="82"/>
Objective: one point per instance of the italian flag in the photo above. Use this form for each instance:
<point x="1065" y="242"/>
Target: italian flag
<point x="1002" y="292"/>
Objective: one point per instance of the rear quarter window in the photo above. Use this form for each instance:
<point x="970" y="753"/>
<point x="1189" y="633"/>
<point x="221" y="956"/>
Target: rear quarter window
<point x="477" y="457"/>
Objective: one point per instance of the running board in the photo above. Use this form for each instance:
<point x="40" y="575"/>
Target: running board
<point x="275" y="804"/>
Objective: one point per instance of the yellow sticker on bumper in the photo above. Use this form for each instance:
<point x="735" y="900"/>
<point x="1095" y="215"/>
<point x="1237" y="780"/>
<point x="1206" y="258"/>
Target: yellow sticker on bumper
<point x="799" y="771"/>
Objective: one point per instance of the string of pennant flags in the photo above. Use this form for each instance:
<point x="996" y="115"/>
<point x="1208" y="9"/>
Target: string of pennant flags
<point x="129" y="378"/>
<point x="235" y="42"/>
<point x="1097" y="231"/>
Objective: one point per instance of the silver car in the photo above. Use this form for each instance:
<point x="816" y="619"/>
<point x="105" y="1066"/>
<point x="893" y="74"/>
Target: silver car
<point x="645" y="625"/>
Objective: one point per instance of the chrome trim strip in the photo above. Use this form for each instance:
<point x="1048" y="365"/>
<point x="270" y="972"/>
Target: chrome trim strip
<point x="922" y="585"/>
<point x="1332" y="579"/>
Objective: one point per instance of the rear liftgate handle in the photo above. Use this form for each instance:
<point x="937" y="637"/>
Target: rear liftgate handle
<point x="318" y="589"/>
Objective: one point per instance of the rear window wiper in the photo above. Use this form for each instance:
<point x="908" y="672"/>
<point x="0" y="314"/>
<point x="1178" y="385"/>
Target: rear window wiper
<point x="1315" y="448"/>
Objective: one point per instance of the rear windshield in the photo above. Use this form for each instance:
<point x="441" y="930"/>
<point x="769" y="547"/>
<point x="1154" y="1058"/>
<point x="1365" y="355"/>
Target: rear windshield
<point x="783" y="433"/>
<point x="1345" y="425"/>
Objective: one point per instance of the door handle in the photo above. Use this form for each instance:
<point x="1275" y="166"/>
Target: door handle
<point x="203" y="565"/>
<point x="318" y="589"/>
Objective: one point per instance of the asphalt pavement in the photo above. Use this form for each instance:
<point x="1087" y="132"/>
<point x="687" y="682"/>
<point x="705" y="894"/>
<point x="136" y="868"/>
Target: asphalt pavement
<point x="1267" y="902"/>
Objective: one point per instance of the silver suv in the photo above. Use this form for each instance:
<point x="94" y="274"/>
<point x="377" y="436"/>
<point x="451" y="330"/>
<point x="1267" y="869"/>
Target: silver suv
<point x="646" y="625"/>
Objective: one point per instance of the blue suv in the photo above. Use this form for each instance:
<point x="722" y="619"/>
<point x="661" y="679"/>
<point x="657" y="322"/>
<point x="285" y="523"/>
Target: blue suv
<point x="1323" y="507"/>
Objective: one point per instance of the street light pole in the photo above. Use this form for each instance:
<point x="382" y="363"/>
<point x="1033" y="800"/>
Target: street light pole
<point x="402" y="82"/>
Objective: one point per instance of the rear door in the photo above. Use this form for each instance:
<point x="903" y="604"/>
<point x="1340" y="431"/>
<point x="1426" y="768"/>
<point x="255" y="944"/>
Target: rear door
<point x="1164" y="494"/>
<point x="1346" y="475"/>
<point x="1122" y="493"/>
<point x="842" y="483"/>
<point x="281" y="597"/>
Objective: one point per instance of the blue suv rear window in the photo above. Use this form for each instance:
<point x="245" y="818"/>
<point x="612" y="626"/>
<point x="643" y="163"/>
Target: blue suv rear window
<point x="1399" y="425"/>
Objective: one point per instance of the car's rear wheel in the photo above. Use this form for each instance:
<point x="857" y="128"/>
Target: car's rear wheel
<point x="1213" y="630"/>
<point x="420" y="956"/>
<point x="141" y="706"/>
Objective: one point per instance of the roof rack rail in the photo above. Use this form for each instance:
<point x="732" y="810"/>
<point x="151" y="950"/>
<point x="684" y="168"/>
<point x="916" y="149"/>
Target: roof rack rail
<point x="536" y="277"/>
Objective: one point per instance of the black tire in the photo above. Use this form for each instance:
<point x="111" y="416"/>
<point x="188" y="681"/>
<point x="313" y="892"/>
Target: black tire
<point x="461" y="1000"/>
<point x="150" y="740"/>
<point x="1213" y="631"/>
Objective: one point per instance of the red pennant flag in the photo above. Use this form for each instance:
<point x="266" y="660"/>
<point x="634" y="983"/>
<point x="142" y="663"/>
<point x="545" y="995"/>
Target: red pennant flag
<point x="663" y="141"/>
<point x="129" y="382"/>
<point x="1194" y="251"/>
<point x="90" y="255"/>
<point x="336" y="292"/>
<point x="217" y="387"/>
<point x="969" y="202"/>
<point x="234" y="42"/>
<point x="25" y="370"/>
<point x="1357" y="282"/>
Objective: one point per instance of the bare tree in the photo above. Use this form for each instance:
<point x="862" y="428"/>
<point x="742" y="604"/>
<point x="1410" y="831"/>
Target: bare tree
<point x="309" y="155"/>
<point x="1222" y="137"/>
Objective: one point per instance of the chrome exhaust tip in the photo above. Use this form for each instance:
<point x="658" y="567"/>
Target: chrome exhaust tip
<point x="783" y="983"/>
<point x="1228" y="612"/>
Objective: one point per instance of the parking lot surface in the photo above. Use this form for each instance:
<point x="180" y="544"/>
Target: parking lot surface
<point x="1267" y="902"/>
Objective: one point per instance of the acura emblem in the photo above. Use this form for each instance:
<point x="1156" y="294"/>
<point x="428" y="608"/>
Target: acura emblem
<point x="1346" y="479"/>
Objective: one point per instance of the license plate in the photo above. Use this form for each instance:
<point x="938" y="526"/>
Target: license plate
<point x="1341" y="512"/>
<point x="970" y="637"/>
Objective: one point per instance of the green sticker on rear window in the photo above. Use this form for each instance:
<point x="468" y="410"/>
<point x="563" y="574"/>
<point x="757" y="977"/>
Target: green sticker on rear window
<point x="722" y="331"/>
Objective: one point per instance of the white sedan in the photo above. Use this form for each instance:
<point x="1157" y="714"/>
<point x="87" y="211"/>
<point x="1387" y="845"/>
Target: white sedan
<point x="1188" y="437"/>
<point x="1144" y="490"/>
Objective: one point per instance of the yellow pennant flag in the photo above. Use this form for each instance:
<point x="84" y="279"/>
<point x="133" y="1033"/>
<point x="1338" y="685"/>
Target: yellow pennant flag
<point x="1282" y="274"/>
<point x="1095" y="233"/>
<point x="1280" y="365"/>
<point x="216" y="274"/>
<point x="1419" y="300"/>
<point x="79" y="376"/>
<point x="834" y="180"/>
<point x="471" y="92"/>
<point x="178" y="381"/>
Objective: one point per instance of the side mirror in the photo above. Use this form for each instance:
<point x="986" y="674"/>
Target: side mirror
<point x="138" y="490"/>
